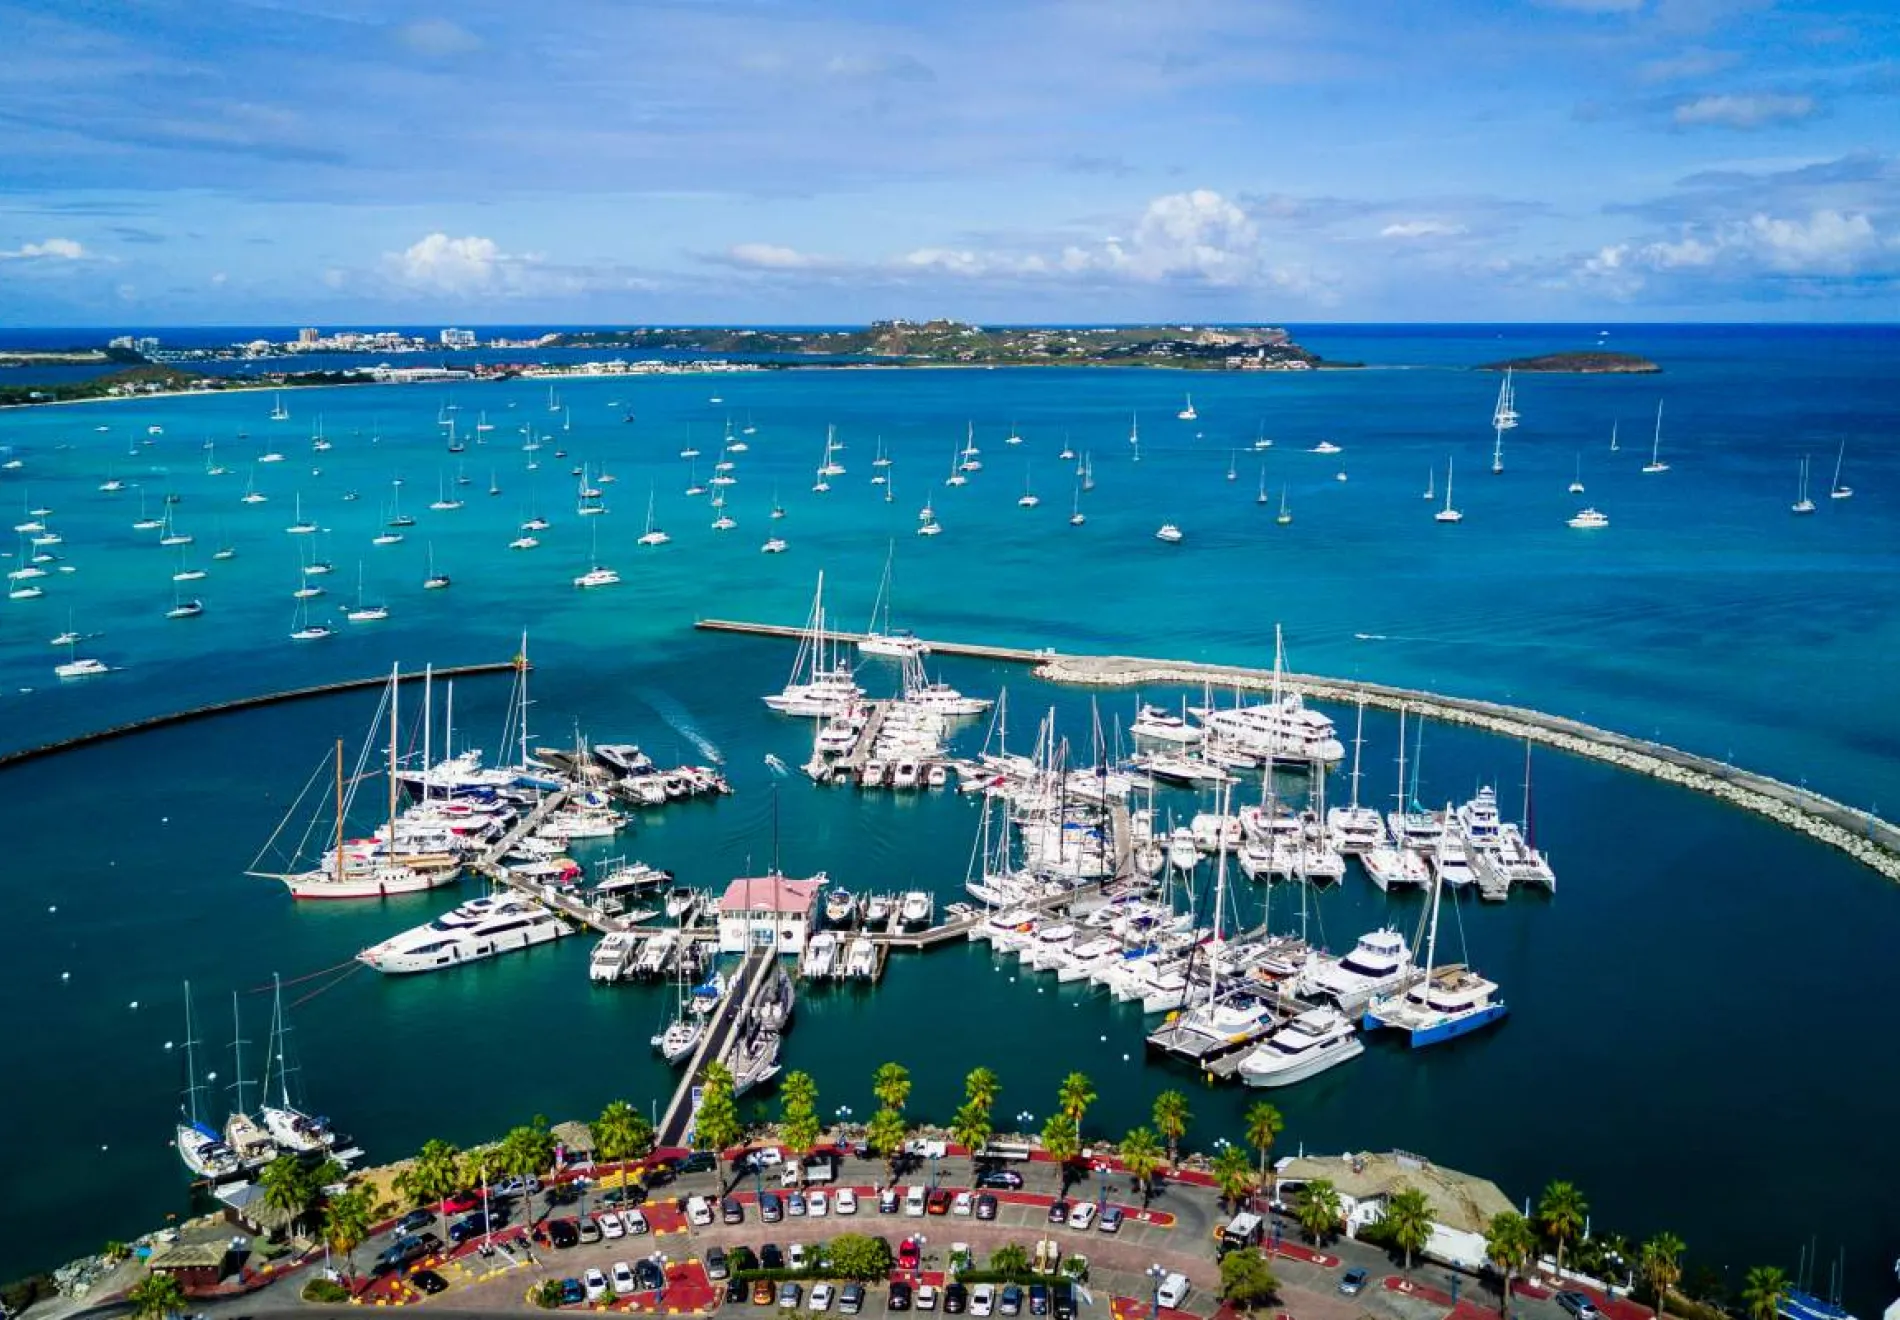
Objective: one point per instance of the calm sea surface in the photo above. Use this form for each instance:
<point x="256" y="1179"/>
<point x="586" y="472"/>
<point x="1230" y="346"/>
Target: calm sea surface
<point x="1696" y="1035"/>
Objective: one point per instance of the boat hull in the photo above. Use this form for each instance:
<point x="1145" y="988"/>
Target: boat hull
<point x="1447" y="1027"/>
<point x="378" y="885"/>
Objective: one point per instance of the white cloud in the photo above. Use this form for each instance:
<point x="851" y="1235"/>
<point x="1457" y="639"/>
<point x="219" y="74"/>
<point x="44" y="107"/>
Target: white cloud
<point x="52" y="249"/>
<point x="1827" y="242"/>
<point x="772" y="256"/>
<point x="1421" y="229"/>
<point x="1729" y="110"/>
<point x="1824" y="243"/>
<point x="441" y="264"/>
<point x="437" y="38"/>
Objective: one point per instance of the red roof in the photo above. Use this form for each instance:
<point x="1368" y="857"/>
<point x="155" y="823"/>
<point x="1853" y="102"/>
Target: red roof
<point x="771" y="893"/>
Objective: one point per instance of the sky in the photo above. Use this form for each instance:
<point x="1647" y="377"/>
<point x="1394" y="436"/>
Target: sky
<point x="348" y="163"/>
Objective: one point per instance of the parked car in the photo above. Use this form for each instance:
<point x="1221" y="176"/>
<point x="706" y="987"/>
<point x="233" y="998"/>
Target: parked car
<point x="635" y="1222"/>
<point x="915" y="1200"/>
<point x="649" y="1275"/>
<point x="909" y="1254"/>
<point x="845" y="1202"/>
<point x="770" y="1257"/>
<point x="790" y="1295"/>
<point x="515" y="1186"/>
<point x="798" y="1257"/>
<point x="795" y="1203"/>
<point x="964" y="1204"/>
<point x="573" y="1292"/>
<point x="1058" y="1212"/>
<point x="699" y="1212"/>
<point x="817" y="1204"/>
<point x="1011" y="1300"/>
<point x="595" y="1284"/>
<point x="700" y="1161"/>
<point x="985" y="1206"/>
<point x="413" y="1222"/>
<point x="956" y="1299"/>
<point x="562" y="1234"/>
<point x="851" y="1299"/>
<point x="736" y="1290"/>
<point x="821" y="1295"/>
<point x="983" y="1299"/>
<point x="1062" y="1301"/>
<point x="1003" y="1179"/>
<point x="591" y="1231"/>
<point x="763" y="1293"/>
<point x="611" y="1225"/>
<point x="1039" y="1299"/>
<point x="740" y="1258"/>
<point x="732" y="1210"/>
<point x="1082" y="1217"/>
<point x="1578" y="1304"/>
<point x="926" y="1297"/>
<point x="771" y="1209"/>
<point x="938" y="1202"/>
<point x="461" y="1203"/>
<point x="887" y="1201"/>
<point x="716" y="1266"/>
<point x="1112" y="1217"/>
<point x="622" y="1274"/>
<point x="900" y="1297"/>
<point x="1173" y="1291"/>
<point x="1352" y="1281"/>
<point x="429" y="1281"/>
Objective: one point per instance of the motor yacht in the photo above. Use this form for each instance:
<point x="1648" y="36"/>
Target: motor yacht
<point x="1305" y="1047"/>
<point x="478" y="929"/>
<point x="1378" y="964"/>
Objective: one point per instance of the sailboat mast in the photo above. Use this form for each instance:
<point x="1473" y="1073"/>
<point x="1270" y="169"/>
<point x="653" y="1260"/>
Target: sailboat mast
<point x="395" y="689"/>
<point x="1431" y="939"/>
<point x="428" y="709"/>
<point x="1358" y="738"/>
<point x="1220" y="890"/>
<point x="1400" y="795"/>
<point x="191" y="1062"/>
<point x="524" y="699"/>
<point x="1530" y="826"/>
<point x="338" y="854"/>
<point x="237" y="1054"/>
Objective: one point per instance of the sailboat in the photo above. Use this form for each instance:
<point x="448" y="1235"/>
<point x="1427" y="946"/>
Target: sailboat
<point x="1837" y="491"/>
<point x="185" y="572"/>
<point x="1448" y="514"/>
<point x="302" y="630"/>
<point x="1504" y="412"/>
<point x="1613" y="428"/>
<point x="213" y="468"/>
<point x="652" y="535"/>
<point x="252" y="495"/>
<point x="1285" y="515"/>
<point x="169" y="535"/>
<point x="75" y="666"/>
<point x="1029" y="499"/>
<point x="1802" y="503"/>
<point x="442" y="503"/>
<point x="879" y="637"/>
<point x="494" y="485"/>
<point x="1134" y="428"/>
<point x="1451" y="1001"/>
<point x="597" y="575"/>
<point x="722" y="521"/>
<point x="778" y="510"/>
<point x="1576" y="482"/>
<point x="184" y="609"/>
<point x="1076" y="516"/>
<point x="1187" y="413"/>
<point x="1431" y="484"/>
<point x="821" y="683"/>
<point x="145" y="522"/>
<point x="1655" y="463"/>
<point x="361" y="613"/>
<point x="1260" y="495"/>
<point x="199" y="1145"/>
<point x="300" y="526"/>
<point x="435" y="581"/>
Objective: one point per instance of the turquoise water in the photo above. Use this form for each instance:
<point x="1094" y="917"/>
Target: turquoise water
<point x="1702" y="987"/>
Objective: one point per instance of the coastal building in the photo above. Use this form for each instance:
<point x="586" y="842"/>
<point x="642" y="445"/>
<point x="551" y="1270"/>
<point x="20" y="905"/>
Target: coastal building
<point x="454" y="338"/>
<point x="308" y="335"/>
<point x="767" y="912"/>
<point x="413" y="375"/>
<point x="1462" y="1204"/>
<point x="199" y="1267"/>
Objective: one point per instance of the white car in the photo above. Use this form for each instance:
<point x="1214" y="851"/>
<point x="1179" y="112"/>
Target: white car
<point x="1082" y="1216"/>
<point x="623" y="1279"/>
<point x="846" y="1202"/>
<point x="820" y="1299"/>
<point x="817" y="1204"/>
<point x="927" y="1297"/>
<point x="699" y="1210"/>
<point x="914" y="1201"/>
<point x="983" y="1299"/>
<point x="796" y="1256"/>
<point x="635" y="1222"/>
<point x="610" y="1225"/>
<point x="767" y="1156"/>
<point x="596" y="1284"/>
<point x="963" y="1205"/>
<point x="1173" y="1291"/>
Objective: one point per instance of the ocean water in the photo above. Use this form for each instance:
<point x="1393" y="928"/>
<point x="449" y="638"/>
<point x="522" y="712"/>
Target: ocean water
<point x="1703" y="985"/>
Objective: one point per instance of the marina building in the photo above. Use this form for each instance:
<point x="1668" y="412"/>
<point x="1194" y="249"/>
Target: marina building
<point x="1462" y="1204"/>
<point x="767" y="912"/>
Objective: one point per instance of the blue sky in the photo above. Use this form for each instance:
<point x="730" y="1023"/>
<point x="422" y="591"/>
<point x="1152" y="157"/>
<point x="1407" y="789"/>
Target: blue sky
<point x="340" y="162"/>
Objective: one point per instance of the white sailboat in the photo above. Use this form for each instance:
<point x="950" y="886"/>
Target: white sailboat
<point x="1655" y="463"/>
<point x="652" y="535"/>
<point x="199" y="1145"/>
<point x="1431" y="484"/>
<point x="821" y="683"/>
<point x="1076" y="516"/>
<point x="300" y="526"/>
<point x="278" y="412"/>
<point x="1837" y="491"/>
<point x="1802" y="503"/>
<point x="1576" y="482"/>
<point x="1504" y="412"/>
<point x="597" y="574"/>
<point x="1029" y="499"/>
<point x="1613" y="428"/>
<point x="361" y="613"/>
<point x="435" y="581"/>
<point x="1448" y="514"/>
<point x="1187" y="413"/>
<point x="879" y="637"/>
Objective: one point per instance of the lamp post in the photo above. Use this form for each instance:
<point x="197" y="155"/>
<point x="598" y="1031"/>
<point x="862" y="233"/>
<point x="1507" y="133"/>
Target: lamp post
<point x="1155" y="1275"/>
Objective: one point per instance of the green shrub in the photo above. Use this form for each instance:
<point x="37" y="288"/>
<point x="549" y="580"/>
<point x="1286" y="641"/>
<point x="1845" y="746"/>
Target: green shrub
<point x="325" y="1291"/>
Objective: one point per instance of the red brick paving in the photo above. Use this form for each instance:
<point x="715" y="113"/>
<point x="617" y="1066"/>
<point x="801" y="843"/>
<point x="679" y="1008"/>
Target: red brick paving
<point x="1425" y="1292"/>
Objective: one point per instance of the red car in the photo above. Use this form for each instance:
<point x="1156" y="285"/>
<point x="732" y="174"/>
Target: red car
<point x="907" y="1254"/>
<point x="461" y="1202"/>
<point x="939" y="1203"/>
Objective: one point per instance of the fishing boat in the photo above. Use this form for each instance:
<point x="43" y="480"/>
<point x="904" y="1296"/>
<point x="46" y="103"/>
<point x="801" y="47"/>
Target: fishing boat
<point x="1655" y="463"/>
<point x="1448" y="514"/>
<point x="1588" y="520"/>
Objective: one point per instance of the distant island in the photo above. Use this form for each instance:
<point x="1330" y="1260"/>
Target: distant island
<point x="1589" y="363"/>
<point x="956" y="343"/>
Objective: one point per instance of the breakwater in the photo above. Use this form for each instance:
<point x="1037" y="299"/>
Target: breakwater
<point x="1860" y="834"/>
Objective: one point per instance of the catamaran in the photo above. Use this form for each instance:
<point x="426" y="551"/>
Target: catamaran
<point x="1451" y="1001"/>
<point x="1448" y="514"/>
<point x="652" y="535"/>
<point x="1187" y="413"/>
<point x="1655" y="463"/>
<point x="879" y="637"/>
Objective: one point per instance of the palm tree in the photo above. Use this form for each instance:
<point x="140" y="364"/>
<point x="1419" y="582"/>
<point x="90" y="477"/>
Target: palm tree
<point x="884" y="1134"/>
<point x="798" y="1090"/>
<point x="1763" y="1292"/>
<point x="1233" y="1175"/>
<point x="1172" y="1116"/>
<point x="1062" y="1143"/>
<point x="1409" y="1213"/>
<point x="798" y="1114"/>
<point x="1263" y="1125"/>
<point x="1141" y="1156"/>
<point x="434" y="1175"/>
<point x="1318" y="1209"/>
<point x="620" y="1133"/>
<point x="716" y="1125"/>
<point x="526" y="1150"/>
<point x="1561" y="1213"/>
<point x="287" y="1187"/>
<point x="891" y="1085"/>
<point x="970" y="1128"/>
<point x="346" y="1224"/>
<point x="1074" y="1097"/>
<point x="157" y="1296"/>
<point x="981" y="1088"/>
<point x="1508" y="1244"/>
<point x="1662" y="1266"/>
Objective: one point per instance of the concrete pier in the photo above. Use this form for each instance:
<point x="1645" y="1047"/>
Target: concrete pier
<point x="1860" y="834"/>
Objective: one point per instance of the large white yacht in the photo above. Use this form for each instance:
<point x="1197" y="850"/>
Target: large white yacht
<point x="821" y="684"/>
<point x="1283" y="729"/>
<point x="480" y="928"/>
<point x="1305" y="1047"/>
<point x="1379" y="963"/>
<point x="611" y="956"/>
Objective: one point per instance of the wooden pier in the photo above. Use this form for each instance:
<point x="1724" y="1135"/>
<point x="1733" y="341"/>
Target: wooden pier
<point x="1860" y="834"/>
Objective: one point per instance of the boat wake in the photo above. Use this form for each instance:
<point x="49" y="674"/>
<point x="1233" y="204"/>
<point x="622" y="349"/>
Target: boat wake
<point x="681" y="721"/>
<point x="778" y="767"/>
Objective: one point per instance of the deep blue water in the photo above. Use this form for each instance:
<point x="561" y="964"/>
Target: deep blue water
<point x="1696" y="1008"/>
